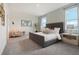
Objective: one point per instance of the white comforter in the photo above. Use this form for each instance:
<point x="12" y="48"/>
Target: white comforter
<point x="50" y="36"/>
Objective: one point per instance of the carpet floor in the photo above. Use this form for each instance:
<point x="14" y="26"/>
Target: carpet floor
<point x="22" y="46"/>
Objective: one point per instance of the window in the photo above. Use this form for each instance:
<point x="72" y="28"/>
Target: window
<point x="71" y="19"/>
<point x="43" y="22"/>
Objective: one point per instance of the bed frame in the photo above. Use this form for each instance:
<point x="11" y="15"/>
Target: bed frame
<point x="40" y="39"/>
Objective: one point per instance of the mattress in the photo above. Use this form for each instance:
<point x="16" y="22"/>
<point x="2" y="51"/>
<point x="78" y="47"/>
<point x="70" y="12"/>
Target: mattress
<point x="48" y="37"/>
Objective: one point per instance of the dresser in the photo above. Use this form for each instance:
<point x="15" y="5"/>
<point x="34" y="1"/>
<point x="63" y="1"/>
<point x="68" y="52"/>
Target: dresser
<point x="70" y="38"/>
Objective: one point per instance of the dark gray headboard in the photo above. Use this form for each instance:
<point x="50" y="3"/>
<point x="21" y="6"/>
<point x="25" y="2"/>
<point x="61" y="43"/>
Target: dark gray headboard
<point x="58" y="24"/>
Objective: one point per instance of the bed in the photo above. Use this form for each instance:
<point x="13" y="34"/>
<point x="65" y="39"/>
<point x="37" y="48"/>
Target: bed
<point x="42" y="39"/>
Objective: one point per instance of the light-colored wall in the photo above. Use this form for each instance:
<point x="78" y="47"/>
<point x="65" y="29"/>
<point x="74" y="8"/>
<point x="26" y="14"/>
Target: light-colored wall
<point x="56" y="16"/>
<point x="3" y="35"/>
<point x="2" y="38"/>
<point x="16" y="17"/>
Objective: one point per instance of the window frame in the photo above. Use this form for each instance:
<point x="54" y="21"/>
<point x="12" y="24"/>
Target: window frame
<point x="77" y="15"/>
<point x="42" y="19"/>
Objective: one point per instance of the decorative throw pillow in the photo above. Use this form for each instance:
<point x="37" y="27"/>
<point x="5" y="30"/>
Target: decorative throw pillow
<point x="46" y="30"/>
<point x="56" y="30"/>
<point x="52" y="31"/>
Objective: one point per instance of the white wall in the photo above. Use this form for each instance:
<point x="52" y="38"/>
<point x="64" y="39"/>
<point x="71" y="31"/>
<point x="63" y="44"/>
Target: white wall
<point x="56" y="16"/>
<point x="16" y="17"/>
<point x="3" y="36"/>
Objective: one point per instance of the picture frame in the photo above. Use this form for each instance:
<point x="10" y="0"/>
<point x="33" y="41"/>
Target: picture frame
<point x="25" y="23"/>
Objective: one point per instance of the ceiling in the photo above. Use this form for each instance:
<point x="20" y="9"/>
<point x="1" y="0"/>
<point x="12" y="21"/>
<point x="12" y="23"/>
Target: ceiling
<point x="36" y="9"/>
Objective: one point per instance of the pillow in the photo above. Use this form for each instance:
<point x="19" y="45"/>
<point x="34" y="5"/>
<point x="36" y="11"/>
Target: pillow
<point x="52" y="31"/>
<point x="46" y="30"/>
<point x="57" y="30"/>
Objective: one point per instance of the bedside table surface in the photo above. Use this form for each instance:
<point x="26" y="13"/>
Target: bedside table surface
<point x="70" y="38"/>
<point x="70" y="34"/>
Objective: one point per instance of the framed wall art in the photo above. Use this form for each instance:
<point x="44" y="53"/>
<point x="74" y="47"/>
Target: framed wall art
<point x="26" y="23"/>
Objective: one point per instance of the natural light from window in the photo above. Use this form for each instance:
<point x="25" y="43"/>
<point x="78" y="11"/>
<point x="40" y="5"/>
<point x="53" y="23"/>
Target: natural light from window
<point x="43" y="22"/>
<point x="71" y="20"/>
<point x="71" y="17"/>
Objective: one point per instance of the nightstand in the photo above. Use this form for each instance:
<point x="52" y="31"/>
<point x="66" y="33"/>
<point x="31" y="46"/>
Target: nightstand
<point x="70" y="38"/>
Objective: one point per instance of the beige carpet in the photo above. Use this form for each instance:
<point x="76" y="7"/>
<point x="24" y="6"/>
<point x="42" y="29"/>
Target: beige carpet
<point x="25" y="46"/>
<point x="20" y="44"/>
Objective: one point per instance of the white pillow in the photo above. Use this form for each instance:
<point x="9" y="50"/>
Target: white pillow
<point x="46" y="30"/>
<point x="52" y="31"/>
<point x="57" y="30"/>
